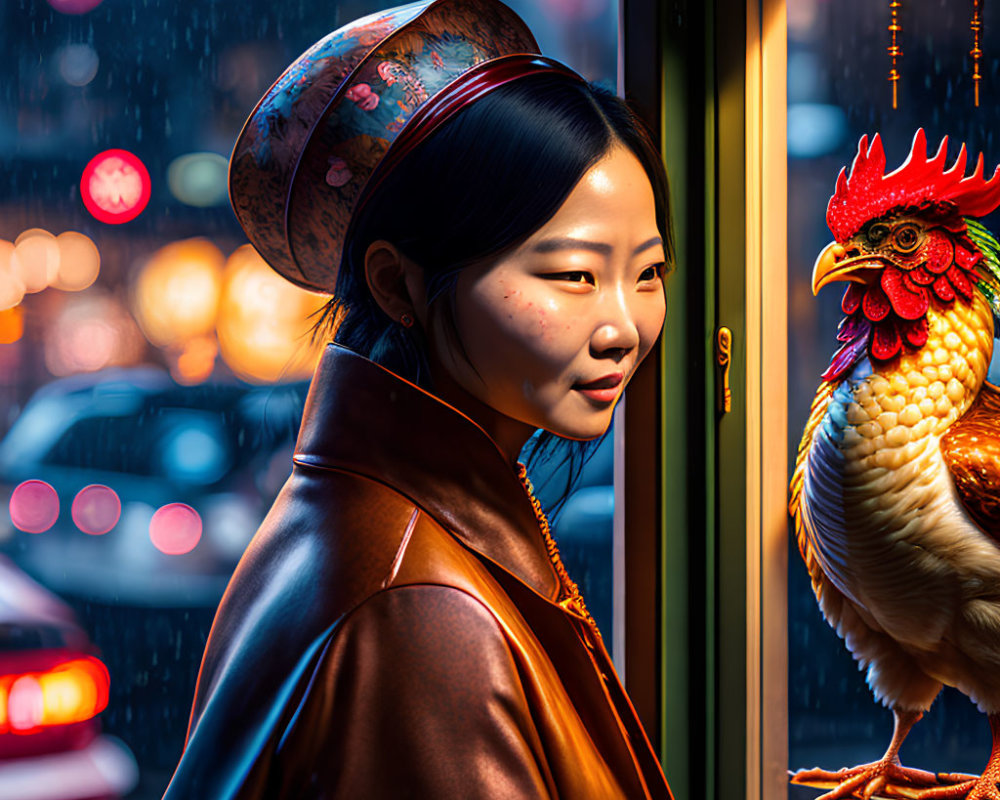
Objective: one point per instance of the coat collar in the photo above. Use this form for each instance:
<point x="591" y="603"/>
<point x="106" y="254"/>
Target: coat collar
<point x="362" y="418"/>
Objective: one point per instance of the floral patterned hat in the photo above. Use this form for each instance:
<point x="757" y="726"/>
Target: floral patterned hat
<point x="350" y="108"/>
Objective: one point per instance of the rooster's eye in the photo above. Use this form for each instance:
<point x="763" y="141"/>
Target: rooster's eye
<point x="906" y="238"/>
<point x="877" y="233"/>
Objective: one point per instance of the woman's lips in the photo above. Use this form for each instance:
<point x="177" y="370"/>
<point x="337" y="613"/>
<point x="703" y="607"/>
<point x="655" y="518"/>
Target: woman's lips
<point x="603" y="390"/>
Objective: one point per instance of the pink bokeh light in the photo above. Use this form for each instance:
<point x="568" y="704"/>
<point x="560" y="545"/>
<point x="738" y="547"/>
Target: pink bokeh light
<point x="74" y="6"/>
<point x="175" y="529"/>
<point x="96" y="509"/>
<point x="34" y="506"/>
<point x="115" y="186"/>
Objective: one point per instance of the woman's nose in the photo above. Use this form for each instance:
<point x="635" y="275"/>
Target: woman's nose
<point x="617" y="331"/>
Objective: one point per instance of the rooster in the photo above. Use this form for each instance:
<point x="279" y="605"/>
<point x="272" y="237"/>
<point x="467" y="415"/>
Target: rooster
<point x="896" y="489"/>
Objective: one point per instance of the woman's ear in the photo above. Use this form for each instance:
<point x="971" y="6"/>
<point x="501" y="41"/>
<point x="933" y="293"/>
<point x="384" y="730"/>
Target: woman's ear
<point x="396" y="283"/>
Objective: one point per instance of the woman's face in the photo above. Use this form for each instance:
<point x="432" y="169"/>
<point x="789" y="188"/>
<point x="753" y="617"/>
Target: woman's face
<point x="553" y="331"/>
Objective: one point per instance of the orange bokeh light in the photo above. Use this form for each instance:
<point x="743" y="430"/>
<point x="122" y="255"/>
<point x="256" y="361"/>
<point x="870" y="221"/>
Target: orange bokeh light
<point x="79" y="262"/>
<point x="196" y="360"/>
<point x="36" y="259"/>
<point x="265" y="322"/>
<point x="11" y="285"/>
<point x="177" y="294"/>
<point x="11" y="325"/>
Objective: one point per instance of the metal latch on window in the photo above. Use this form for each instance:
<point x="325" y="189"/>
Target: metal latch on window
<point x="723" y="347"/>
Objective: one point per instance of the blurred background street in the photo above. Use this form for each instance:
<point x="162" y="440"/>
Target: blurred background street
<point x="153" y="368"/>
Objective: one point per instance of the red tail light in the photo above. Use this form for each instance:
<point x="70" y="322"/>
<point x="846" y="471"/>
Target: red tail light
<point x="72" y="691"/>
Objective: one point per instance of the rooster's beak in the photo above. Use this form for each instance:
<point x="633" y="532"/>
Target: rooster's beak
<point x="831" y="266"/>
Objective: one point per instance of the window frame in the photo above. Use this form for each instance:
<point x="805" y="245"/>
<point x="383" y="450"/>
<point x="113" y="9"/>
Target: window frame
<point x="706" y="638"/>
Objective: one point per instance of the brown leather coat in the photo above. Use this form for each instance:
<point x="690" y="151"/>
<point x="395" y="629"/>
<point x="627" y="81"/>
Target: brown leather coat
<point x="391" y="631"/>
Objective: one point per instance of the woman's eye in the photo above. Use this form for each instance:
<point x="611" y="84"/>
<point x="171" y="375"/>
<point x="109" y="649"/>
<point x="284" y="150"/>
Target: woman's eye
<point x="653" y="272"/>
<point x="575" y="276"/>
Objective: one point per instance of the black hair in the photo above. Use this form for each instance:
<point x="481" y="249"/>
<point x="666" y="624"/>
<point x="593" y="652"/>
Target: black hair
<point x="473" y="191"/>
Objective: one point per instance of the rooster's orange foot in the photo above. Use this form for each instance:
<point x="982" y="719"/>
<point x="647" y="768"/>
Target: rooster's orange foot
<point x="969" y="788"/>
<point x="986" y="788"/>
<point x="885" y="778"/>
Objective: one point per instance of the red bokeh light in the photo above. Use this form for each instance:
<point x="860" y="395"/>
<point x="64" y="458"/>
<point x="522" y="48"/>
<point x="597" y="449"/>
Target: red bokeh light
<point x="175" y="529"/>
<point x="96" y="509"/>
<point x="34" y="506"/>
<point x="115" y="186"/>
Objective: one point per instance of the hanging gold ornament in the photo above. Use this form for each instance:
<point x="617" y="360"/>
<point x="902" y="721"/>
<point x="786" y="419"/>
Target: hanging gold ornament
<point x="976" y="52"/>
<point x="895" y="51"/>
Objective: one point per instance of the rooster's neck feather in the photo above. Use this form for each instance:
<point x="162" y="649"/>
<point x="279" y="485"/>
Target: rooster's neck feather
<point x="940" y="380"/>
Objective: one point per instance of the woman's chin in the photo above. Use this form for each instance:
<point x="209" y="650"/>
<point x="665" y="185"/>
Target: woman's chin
<point x="580" y="430"/>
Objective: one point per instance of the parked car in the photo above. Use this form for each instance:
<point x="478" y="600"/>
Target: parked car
<point x="219" y="452"/>
<point x="52" y="689"/>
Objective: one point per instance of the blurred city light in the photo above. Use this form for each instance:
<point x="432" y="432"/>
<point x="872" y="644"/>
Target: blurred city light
<point x="231" y="522"/>
<point x="74" y="691"/>
<point x="11" y="285"/>
<point x="71" y="691"/>
<point x="815" y="129"/>
<point x="92" y="331"/>
<point x="11" y="325"/>
<point x="25" y="704"/>
<point x="115" y="186"/>
<point x="199" y="179"/>
<point x="34" y="506"/>
<point x="175" y="529"/>
<point x="78" y="64"/>
<point x="803" y="17"/>
<point x="35" y="259"/>
<point x="194" y="451"/>
<point x="96" y="509"/>
<point x="79" y="262"/>
<point x="195" y="361"/>
<point x="74" y="6"/>
<point x="805" y="78"/>
<point x="265" y="322"/>
<point x="177" y="293"/>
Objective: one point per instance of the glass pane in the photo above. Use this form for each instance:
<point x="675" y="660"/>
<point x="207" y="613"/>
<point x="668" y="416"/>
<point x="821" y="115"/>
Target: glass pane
<point x="838" y="89"/>
<point x="135" y="382"/>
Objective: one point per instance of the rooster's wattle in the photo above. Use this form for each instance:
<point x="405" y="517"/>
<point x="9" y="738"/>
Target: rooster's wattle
<point x="896" y="490"/>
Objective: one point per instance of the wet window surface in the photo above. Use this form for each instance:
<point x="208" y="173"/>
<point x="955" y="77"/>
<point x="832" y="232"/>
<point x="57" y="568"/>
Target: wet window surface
<point x="838" y="90"/>
<point x="146" y="417"/>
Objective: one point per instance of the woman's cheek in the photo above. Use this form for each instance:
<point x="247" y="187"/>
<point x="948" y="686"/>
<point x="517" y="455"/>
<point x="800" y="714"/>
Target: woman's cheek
<point x="524" y="317"/>
<point x="548" y="319"/>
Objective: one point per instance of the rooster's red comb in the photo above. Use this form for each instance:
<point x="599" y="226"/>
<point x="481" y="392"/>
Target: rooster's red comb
<point x="868" y="193"/>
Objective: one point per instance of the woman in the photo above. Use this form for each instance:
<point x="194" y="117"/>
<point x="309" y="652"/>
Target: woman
<point x="495" y="238"/>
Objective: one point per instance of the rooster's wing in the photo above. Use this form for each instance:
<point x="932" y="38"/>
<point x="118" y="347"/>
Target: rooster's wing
<point x="971" y="449"/>
<point x="895" y="678"/>
<point x="816" y="414"/>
